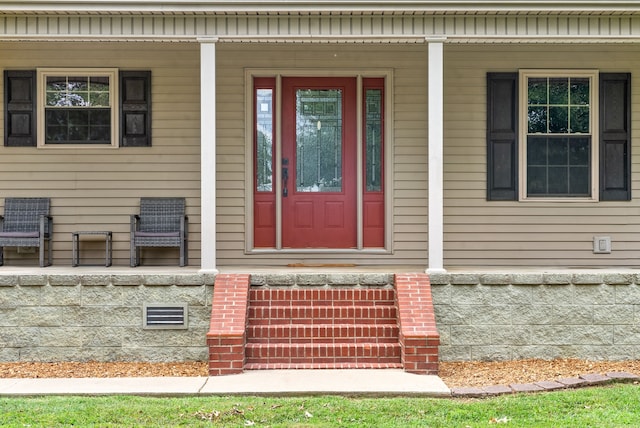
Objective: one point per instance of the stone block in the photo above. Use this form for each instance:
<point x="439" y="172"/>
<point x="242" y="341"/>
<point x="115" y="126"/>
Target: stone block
<point x="594" y="295"/>
<point x="347" y="279"/>
<point x="618" y="278"/>
<point x="509" y="295"/>
<point x="595" y="378"/>
<point x="525" y="387"/>
<point x="453" y="314"/>
<point x="40" y="316"/>
<point x="101" y="296"/>
<point x="33" y="280"/>
<point x="471" y="295"/>
<point x="454" y="353"/>
<point x="306" y="279"/>
<point x="495" y="279"/>
<point x="470" y="335"/>
<point x="592" y="334"/>
<point x="552" y="294"/>
<point x="531" y="314"/>
<point x="376" y="279"/>
<point x="497" y="389"/>
<point x="64" y="280"/>
<point x="439" y="279"/>
<point x="258" y="280"/>
<point x="103" y="337"/>
<point x="492" y="352"/>
<point x="488" y="315"/>
<point x="626" y="334"/>
<point x="60" y="296"/>
<point x="613" y="314"/>
<point x="162" y="280"/>
<point x="190" y="279"/>
<point x="127" y="279"/>
<point x="468" y="392"/>
<point x="95" y="280"/>
<point x="550" y="385"/>
<point x="9" y="280"/>
<point x="527" y="279"/>
<point x="281" y="279"/>
<point x="464" y="279"/>
<point x="557" y="278"/>
<point x="629" y="295"/>
<point x="572" y="315"/>
<point x="550" y="335"/>
<point x="441" y="294"/>
<point x="587" y="279"/>
<point x="512" y="335"/>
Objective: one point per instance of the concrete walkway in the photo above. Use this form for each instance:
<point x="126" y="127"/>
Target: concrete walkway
<point x="386" y="382"/>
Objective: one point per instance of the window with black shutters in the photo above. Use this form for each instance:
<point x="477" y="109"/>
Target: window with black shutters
<point x="562" y="135"/>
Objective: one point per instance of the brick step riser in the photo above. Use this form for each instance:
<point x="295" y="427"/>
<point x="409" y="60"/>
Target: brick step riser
<point x="322" y="315"/>
<point x="320" y="366"/>
<point x="371" y="352"/>
<point x="297" y="333"/>
<point x="311" y="296"/>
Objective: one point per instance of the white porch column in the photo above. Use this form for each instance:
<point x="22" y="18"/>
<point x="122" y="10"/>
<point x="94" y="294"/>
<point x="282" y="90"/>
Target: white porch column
<point x="208" y="154"/>
<point x="436" y="136"/>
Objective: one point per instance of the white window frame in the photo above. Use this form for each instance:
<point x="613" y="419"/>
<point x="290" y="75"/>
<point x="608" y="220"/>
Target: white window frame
<point x="593" y="75"/>
<point x="111" y="73"/>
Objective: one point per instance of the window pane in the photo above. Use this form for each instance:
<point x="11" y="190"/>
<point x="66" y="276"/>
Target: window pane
<point x="558" y="120"/>
<point x="579" y="180"/>
<point x="264" y="140"/>
<point x="78" y="110"/>
<point x="558" y="151"/>
<point x="558" y="166"/>
<point x="319" y="140"/>
<point x="559" y="91"/>
<point x="579" y="153"/>
<point x="537" y="120"/>
<point x="537" y="89"/>
<point x="579" y="91"/>
<point x="373" y="118"/>
<point x="579" y="120"/>
<point x="558" y="180"/>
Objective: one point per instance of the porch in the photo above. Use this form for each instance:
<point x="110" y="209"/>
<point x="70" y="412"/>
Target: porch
<point x="96" y="313"/>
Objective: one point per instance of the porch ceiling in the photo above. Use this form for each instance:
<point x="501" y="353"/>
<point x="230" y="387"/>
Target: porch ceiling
<point x="317" y="7"/>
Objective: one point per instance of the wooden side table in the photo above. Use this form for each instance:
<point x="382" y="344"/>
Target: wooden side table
<point x="75" y="245"/>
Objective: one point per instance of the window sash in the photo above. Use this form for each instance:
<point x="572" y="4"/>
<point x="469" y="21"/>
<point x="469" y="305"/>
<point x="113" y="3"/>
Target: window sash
<point x="558" y="122"/>
<point x="77" y="108"/>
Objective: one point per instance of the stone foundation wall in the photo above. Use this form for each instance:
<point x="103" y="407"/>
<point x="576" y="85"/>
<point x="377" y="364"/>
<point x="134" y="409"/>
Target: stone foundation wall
<point x="537" y="315"/>
<point x="100" y="317"/>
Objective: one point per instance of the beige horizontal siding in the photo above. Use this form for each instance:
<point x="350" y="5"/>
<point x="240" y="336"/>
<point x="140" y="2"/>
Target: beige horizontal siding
<point x="483" y="233"/>
<point x="409" y="97"/>
<point x="98" y="189"/>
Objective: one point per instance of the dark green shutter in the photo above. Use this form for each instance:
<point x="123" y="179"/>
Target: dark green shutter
<point x="135" y="108"/>
<point x="615" y="137"/>
<point x="502" y="136"/>
<point x="20" y="108"/>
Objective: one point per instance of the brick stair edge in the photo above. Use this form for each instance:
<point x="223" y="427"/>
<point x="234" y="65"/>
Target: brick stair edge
<point x="419" y="337"/>
<point x="227" y="330"/>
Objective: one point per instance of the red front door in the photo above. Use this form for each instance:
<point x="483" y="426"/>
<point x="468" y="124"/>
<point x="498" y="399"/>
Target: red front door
<point x="319" y="163"/>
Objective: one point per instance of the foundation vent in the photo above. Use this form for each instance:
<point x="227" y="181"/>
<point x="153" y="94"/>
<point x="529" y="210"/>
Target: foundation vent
<point x="165" y="316"/>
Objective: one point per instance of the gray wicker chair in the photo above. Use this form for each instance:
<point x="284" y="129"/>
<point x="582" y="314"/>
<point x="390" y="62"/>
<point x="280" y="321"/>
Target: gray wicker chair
<point x="26" y="223"/>
<point x="161" y="223"/>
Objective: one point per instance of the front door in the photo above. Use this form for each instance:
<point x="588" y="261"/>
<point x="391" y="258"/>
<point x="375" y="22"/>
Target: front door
<point x="319" y="162"/>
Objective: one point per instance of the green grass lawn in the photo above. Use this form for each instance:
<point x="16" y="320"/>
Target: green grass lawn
<point x="612" y="406"/>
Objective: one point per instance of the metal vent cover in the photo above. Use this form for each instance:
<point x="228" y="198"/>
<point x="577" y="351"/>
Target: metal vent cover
<point x="165" y="316"/>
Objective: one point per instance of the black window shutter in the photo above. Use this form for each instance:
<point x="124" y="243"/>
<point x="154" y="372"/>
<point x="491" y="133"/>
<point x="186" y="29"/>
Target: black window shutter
<point x="135" y="108"/>
<point x="615" y="137"/>
<point x="20" y="108"/>
<point x="502" y="136"/>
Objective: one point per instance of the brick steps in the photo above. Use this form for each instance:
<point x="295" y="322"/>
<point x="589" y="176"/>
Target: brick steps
<point x="322" y="333"/>
<point x="321" y="314"/>
<point x="309" y="353"/>
<point x="321" y="366"/>
<point x="321" y="327"/>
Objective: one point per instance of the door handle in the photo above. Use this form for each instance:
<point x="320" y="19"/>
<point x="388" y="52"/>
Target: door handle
<point x="285" y="177"/>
